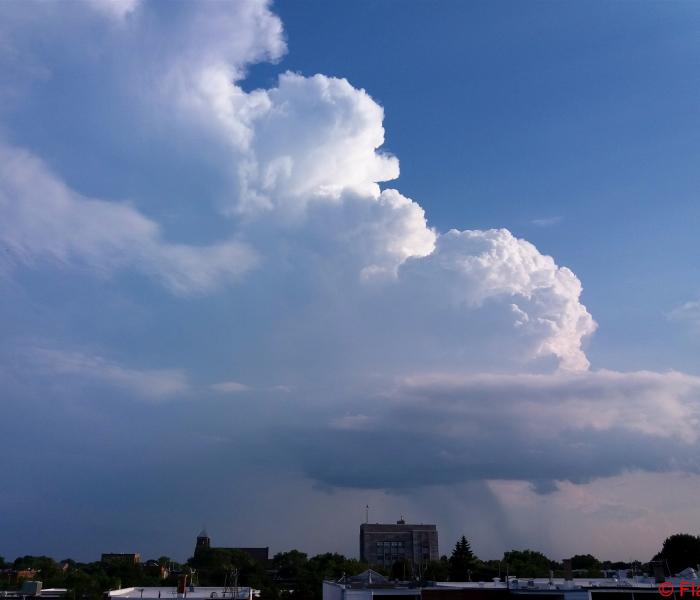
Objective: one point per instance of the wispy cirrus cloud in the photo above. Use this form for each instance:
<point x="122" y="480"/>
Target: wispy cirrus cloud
<point x="688" y="312"/>
<point x="117" y="9"/>
<point x="230" y="387"/>
<point x="547" y="221"/>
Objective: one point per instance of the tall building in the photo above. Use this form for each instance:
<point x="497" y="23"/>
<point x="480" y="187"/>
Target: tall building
<point x="385" y="543"/>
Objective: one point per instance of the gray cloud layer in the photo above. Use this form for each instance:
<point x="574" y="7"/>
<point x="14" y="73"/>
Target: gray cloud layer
<point x="540" y="428"/>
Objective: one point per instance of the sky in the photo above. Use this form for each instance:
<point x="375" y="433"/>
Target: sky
<point x="264" y="264"/>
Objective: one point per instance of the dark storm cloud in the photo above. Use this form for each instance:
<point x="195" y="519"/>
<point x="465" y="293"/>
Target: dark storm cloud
<point x="538" y="428"/>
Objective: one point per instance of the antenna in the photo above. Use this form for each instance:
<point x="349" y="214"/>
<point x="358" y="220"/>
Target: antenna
<point x="231" y="583"/>
<point x="367" y="513"/>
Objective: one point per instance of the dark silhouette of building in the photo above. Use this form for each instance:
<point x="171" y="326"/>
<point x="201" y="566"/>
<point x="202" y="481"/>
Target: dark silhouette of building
<point x="259" y="554"/>
<point x="203" y="541"/>
<point x="385" y="543"/>
<point x="121" y="558"/>
<point x="203" y="547"/>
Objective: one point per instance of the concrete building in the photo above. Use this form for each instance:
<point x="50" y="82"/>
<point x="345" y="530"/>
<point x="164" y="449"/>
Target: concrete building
<point x="387" y="543"/>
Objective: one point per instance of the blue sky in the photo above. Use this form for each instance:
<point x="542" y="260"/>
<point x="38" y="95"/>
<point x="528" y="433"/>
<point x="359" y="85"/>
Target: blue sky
<point x="439" y="258"/>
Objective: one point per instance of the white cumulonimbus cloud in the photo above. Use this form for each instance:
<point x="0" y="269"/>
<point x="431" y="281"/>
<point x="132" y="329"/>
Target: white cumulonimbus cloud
<point x="470" y="268"/>
<point x="333" y="274"/>
<point x="317" y="137"/>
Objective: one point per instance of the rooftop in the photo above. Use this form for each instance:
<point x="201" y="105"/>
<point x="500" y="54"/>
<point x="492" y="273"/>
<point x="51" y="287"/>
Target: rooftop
<point x="396" y="526"/>
<point x="171" y="592"/>
<point x="555" y="583"/>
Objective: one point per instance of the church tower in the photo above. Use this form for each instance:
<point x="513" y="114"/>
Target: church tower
<point x="203" y="542"/>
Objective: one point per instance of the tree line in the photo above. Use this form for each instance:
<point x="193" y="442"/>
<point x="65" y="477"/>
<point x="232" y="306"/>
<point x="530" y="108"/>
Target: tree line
<point x="294" y="574"/>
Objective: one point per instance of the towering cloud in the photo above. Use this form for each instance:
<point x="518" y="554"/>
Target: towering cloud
<point x="284" y="271"/>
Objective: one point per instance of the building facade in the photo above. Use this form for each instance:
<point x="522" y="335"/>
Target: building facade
<point x="387" y="543"/>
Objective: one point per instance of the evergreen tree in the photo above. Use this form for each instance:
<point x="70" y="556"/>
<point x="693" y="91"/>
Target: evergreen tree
<point x="462" y="561"/>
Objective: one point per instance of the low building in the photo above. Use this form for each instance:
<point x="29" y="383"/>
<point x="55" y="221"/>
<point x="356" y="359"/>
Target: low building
<point x="14" y="576"/>
<point x="370" y="585"/>
<point x="545" y="588"/>
<point x="121" y="558"/>
<point x="203" y="545"/>
<point x="31" y="590"/>
<point x="182" y="592"/>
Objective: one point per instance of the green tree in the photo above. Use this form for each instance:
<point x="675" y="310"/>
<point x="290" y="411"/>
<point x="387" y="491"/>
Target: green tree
<point x="81" y="585"/>
<point x="586" y="562"/>
<point x="437" y="570"/>
<point x="462" y="561"/>
<point x="401" y="570"/>
<point x="50" y="572"/>
<point x="332" y="565"/>
<point x="679" y="551"/>
<point x="485" y="570"/>
<point x="290" y="565"/>
<point x="527" y="563"/>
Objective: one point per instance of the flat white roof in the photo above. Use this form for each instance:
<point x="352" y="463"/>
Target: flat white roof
<point x="167" y="593"/>
<point x="523" y="583"/>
